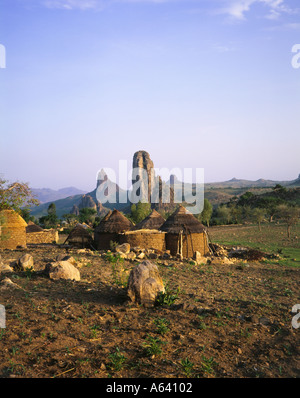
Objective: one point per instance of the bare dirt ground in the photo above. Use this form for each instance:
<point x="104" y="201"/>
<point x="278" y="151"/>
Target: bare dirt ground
<point x="229" y="320"/>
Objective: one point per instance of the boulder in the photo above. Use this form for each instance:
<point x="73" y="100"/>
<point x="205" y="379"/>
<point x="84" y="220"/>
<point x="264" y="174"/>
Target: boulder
<point x="199" y="258"/>
<point x="124" y="248"/>
<point x="64" y="257"/>
<point x="141" y="256"/>
<point x="226" y="261"/>
<point x="25" y="262"/>
<point x="5" y="268"/>
<point x="8" y="283"/>
<point x="63" y="270"/>
<point x="145" y="284"/>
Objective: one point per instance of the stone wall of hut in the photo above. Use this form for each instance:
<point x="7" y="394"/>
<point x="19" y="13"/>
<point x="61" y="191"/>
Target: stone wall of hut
<point x="11" y="237"/>
<point x="42" y="237"/>
<point x="190" y="244"/>
<point x="145" y="240"/>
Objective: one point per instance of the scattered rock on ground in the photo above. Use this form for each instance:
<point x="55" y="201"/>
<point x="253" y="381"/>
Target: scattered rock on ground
<point x="63" y="270"/>
<point x="25" y="262"/>
<point x="145" y="283"/>
<point x="131" y="256"/>
<point x="70" y="259"/>
<point x="123" y="248"/>
<point x="153" y="256"/>
<point x="199" y="258"/>
<point x="8" y="283"/>
<point x="225" y="260"/>
<point x="5" y="268"/>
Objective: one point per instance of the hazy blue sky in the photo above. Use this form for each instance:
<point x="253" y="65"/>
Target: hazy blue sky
<point x="196" y="83"/>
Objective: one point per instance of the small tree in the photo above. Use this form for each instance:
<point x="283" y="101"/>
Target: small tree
<point x="16" y="196"/>
<point x="51" y="220"/>
<point x="70" y="218"/>
<point x="140" y="211"/>
<point x="87" y="215"/>
<point x="236" y="214"/>
<point x="290" y="215"/>
<point x="247" y="213"/>
<point x="258" y="216"/>
<point x="25" y="213"/>
<point x="206" y="213"/>
<point x="224" y="214"/>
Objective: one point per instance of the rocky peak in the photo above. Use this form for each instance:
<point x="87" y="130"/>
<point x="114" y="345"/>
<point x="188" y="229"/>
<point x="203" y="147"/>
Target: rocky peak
<point x="142" y="160"/>
<point x="75" y="210"/>
<point x="87" y="201"/>
<point x="154" y="184"/>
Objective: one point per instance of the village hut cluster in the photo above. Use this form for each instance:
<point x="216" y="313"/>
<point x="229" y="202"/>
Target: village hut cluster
<point x="182" y="234"/>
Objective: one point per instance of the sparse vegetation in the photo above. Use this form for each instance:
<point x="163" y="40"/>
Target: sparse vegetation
<point x="228" y="319"/>
<point x="168" y="297"/>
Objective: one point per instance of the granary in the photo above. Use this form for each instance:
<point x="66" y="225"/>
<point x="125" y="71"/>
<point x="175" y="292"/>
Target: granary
<point x="13" y="230"/>
<point x="185" y="234"/>
<point x="146" y="233"/>
<point x="145" y="238"/>
<point x="37" y="235"/>
<point x="109" y="230"/>
<point x="153" y="221"/>
<point x="80" y="237"/>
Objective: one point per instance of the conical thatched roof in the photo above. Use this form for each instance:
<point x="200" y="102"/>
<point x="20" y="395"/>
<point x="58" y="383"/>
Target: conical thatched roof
<point x="32" y="227"/>
<point x="115" y="222"/>
<point x="12" y="219"/>
<point x="107" y="215"/>
<point x="153" y="221"/>
<point x="182" y="220"/>
<point x="79" y="232"/>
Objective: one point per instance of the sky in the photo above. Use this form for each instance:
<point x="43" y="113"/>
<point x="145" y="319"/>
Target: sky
<point x="206" y="84"/>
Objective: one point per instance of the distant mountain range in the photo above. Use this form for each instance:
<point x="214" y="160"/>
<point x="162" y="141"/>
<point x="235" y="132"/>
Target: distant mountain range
<point x="45" y="195"/>
<point x="216" y="193"/>
<point x="261" y="183"/>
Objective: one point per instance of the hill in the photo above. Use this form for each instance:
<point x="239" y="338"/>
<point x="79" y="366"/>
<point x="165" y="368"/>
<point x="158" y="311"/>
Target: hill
<point x="216" y="193"/>
<point x="45" y="195"/>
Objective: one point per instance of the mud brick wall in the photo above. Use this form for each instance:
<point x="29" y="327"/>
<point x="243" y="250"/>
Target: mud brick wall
<point x="145" y="240"/>
<point x="42" y="237"/>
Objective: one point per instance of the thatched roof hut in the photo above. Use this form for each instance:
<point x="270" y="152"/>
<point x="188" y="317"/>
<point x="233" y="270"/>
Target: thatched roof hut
<point x="109" y="229"/>
<point x="153" y="221"/>
<point x="32" y="228"/>
<point x="185" y="234"/>
<point x="13" y="230"/>
<point x="80" y="237"/>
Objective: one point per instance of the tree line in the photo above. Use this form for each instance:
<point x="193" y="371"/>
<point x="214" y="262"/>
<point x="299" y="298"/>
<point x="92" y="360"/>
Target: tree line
<point x="281" y="204"/>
